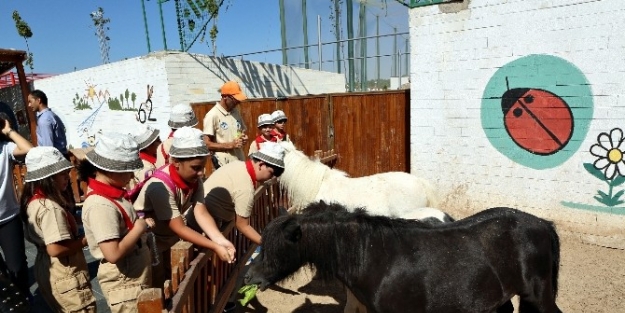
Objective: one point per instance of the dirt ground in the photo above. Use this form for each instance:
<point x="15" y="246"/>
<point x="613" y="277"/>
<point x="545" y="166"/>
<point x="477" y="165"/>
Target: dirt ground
<point x="592" y="280"/>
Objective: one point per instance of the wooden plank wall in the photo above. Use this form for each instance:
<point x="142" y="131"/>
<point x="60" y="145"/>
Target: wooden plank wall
<point x="369" y="131"/>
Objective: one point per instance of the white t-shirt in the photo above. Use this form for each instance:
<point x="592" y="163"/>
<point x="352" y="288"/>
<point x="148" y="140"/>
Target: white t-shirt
<point x="9" y="206"/>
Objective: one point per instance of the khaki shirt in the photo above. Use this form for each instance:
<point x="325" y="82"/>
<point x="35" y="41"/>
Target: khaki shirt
<point x="103" y="221"/>
<point x="156" y="197"/>
<point x="226" y="127"/>
<point x="254" y="145"/>
<point x="47" y="223"/>
<point x="63" y="281"/>
<point x="160" y="158"/>
<point x="234" y="178"/>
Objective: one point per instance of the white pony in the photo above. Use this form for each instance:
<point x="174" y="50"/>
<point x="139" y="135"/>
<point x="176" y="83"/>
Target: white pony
<point x="393" y="194"/>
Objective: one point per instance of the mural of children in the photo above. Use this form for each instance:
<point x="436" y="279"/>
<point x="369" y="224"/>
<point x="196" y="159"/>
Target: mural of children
<point x="60" y="267"/>
<point x="265" y="126"/>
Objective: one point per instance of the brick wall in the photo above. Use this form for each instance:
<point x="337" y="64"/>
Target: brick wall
<point x="526" y="152"/>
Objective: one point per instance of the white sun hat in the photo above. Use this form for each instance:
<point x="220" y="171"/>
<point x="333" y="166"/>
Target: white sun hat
<point x="42" y="162"/>
<point x="265" y="119"/>
<point x="145" y="135"/>
<point x="278" y="115"/>
<point x="270" y="152"/>
<point x="181" y="115"/>
<point x="116" y="153"/>
<point x="188" y="143"/>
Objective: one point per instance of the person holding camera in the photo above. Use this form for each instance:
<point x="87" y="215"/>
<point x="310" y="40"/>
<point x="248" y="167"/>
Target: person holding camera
<point x="12" y="146"/>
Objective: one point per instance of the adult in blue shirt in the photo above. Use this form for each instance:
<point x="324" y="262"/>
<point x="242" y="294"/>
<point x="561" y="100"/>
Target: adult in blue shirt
<point x="50" y="128"/>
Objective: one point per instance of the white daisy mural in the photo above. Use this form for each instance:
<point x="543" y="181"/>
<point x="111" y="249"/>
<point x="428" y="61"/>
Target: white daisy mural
<point x="609" y="166"/>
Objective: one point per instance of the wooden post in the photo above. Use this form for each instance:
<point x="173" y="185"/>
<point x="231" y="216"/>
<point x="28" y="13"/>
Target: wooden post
<point x="32" y="121"/>
<point x="150" y="301"/>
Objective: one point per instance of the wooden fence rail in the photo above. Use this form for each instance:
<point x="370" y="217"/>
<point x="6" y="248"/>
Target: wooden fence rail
<point x="200" y="281"/>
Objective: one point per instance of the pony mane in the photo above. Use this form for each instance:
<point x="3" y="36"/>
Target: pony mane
<point x="302" y="176"/>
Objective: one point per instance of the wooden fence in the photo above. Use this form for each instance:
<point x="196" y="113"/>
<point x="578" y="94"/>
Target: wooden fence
<point x="371" y="130"/>
<point x="200" y="282"/>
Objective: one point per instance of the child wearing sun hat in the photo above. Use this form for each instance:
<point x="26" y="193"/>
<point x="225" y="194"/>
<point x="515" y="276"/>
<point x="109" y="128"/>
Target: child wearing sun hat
<point x="180" y="212"/>
<point x="148" y="140"/>
<point x="181" y="115"/>
<point x="279" y="131"/>
<point x="265" y="127"/>
<point x="114" y="231"/>
<point x="60" y="266"/>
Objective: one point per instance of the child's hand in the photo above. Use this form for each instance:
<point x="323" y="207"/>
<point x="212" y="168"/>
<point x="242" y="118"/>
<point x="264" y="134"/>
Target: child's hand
<point x="150" y="221"/>
<point x="224" y="254"/>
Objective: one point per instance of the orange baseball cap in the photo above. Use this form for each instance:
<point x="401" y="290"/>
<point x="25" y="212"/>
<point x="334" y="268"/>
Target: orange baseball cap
<point x="232" y="88"/>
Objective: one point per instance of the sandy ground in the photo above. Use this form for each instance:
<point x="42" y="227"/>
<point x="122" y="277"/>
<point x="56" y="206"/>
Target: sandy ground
<point x="592" y="279"/>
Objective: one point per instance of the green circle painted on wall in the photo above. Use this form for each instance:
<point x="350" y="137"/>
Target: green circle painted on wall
<point x="536" y="110"/>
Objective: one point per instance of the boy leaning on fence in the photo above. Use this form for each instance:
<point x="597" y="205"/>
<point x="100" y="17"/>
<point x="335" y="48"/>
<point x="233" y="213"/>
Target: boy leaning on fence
<point x="176" y="200"/>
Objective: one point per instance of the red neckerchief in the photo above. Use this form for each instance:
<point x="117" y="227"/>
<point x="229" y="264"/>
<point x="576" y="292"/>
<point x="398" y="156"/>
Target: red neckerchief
<point x="179" y="182"/>
<point x="73" y="228"/>
<point x="147" y="157"/>
<point x="106" y="190"/>
<point x="277" y="134"/>
<point x="261" y="139"/>
<point x="250" y="170"/>
<point x="170" y="134"/>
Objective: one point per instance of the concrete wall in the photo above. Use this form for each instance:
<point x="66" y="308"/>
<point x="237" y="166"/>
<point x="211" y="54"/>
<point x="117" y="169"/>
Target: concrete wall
<point x="94" y="100"/>
<point x="507" y="99"/>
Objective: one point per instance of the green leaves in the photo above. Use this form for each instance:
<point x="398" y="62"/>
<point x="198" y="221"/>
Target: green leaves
<point x="22" y="27"/>
<point x="249" y="292"/>
<point x="607" y="198"/>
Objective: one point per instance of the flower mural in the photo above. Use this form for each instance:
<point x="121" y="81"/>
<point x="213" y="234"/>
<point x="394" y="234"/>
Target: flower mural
<point x="609" y="165"/>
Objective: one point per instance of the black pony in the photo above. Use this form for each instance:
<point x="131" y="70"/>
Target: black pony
<point x="392" y="265"/>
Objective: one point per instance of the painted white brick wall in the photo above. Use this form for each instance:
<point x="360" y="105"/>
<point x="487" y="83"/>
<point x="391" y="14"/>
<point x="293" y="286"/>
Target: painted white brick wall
<point x="455" y="52"/>
<point x="176" y="78"/>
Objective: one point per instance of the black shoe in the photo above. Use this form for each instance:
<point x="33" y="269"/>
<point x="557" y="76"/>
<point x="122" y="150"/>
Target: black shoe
<point x="230" y="307"/>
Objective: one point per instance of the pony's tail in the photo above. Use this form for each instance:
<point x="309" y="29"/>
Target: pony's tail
<point x="555" y="261"/>
<point x="431" y="194"/>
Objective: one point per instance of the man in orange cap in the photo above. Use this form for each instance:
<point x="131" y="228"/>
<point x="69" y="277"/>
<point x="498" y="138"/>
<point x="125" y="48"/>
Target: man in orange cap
<point x="224" y="128"/>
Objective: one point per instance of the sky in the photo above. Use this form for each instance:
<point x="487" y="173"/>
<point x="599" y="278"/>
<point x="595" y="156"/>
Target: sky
<point x="64" y="39"/>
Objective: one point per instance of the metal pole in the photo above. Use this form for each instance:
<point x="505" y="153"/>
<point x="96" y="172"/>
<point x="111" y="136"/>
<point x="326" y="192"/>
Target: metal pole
<point x="407" y="57"/>
<point x="160" y="8"/>
<point x="363" y="46"/>
<point x="179" y="21"/>
<point x="305" y="26"/>
<point x="350" y="43"/>
<point x="394" y="51"/>
<point x="399" y="66"/>
<point x="319" y="40"/>
<point x="337" y="33"/>
<point x="285" y="60"/>
<point x="377" y="49"/>
<point x="145" y="23"/>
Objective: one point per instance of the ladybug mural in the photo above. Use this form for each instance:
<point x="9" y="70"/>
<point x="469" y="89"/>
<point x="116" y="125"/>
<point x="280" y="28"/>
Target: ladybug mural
<point x="537" y="120"/>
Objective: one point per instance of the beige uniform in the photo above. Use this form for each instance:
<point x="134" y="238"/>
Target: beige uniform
<point x="161" y="158"/>
<point x="121" y="282"/>
<point x="63" y="281"/>
<point x="158" y="199"/>
<point x="255" y="145"/>
<point x="226" y="127"/>
<point x="140" y="175"/>
<point x="234" y="178"/>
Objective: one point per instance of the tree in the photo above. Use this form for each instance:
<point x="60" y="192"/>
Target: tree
<point x="24" y="31"/>
<point x="100" y="23"/>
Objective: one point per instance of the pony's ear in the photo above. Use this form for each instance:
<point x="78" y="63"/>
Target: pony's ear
<point x="292" y="231"/>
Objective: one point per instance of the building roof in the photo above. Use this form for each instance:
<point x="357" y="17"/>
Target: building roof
<point x="9" y="58"/>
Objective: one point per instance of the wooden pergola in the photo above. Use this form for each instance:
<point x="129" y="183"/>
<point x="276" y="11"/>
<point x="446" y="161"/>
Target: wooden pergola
<point x="10" y="59"/>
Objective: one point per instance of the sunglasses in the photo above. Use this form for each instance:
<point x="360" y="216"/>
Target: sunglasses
<point x="281" y="122"/>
